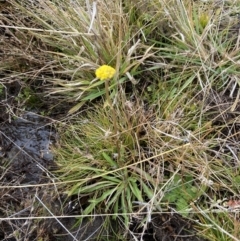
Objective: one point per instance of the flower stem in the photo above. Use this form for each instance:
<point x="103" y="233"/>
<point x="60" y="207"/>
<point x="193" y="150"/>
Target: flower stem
<point x="114" y="117"/>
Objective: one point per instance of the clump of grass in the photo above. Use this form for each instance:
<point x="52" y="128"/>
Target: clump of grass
<point x="79" y="37"/>
<point x="103" y="156"/>
<point x="200" y="47"/>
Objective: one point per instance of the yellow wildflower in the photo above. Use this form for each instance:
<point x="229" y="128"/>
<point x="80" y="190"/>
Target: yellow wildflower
<point x="105" y="72"/>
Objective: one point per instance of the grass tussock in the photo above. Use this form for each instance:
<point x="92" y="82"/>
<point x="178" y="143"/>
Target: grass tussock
<point x="161" y="135"/>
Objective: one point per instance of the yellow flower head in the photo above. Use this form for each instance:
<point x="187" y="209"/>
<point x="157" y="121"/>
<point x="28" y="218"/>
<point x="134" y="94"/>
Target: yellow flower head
<point x="105" y="72"/>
